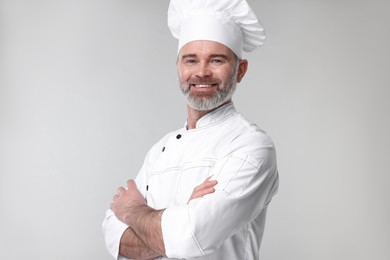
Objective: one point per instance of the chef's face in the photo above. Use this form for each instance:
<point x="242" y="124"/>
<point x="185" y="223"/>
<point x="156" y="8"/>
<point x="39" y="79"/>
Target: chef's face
<point x="208" y="73"/>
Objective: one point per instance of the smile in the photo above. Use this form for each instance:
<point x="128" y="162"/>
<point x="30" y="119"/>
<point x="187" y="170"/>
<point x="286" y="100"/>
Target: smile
<point x="203" y="85"/>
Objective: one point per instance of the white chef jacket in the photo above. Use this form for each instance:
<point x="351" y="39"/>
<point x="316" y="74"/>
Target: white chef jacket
<point x="227" y="224"/>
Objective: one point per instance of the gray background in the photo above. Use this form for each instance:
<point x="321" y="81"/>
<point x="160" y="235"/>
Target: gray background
<point x="87" y="86"/>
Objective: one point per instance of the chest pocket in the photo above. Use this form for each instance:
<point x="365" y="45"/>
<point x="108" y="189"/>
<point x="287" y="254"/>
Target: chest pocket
<point x="191" y="175"/>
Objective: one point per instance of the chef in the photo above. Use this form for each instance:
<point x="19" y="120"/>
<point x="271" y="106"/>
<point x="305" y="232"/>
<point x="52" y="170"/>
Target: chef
<point x="204" y="189"/>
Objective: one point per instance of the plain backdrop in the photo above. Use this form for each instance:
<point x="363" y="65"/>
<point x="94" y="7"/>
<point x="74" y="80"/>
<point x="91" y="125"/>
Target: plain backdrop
<point x="87" y="86"/>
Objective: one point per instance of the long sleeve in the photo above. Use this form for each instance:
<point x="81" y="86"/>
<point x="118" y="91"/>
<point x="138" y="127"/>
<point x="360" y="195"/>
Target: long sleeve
<point x="112" y="227"/>
<point x="227" y="224"/>
<point x="113" y="230"/>
<point x="245" y="187"/>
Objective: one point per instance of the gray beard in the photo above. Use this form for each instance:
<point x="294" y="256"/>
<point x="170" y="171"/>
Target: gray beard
<point x="206" y="103"/>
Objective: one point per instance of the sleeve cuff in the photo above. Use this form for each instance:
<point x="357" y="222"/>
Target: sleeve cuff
<point x="113" y="230"/>
<point x="179" y="240"/>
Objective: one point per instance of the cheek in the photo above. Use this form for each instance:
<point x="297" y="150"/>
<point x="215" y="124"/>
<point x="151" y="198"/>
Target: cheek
<point x="184" y="76"/>
<point x="180" y="74"/>
<point x="224" y="76"/>
<point x="182" y="82"/>
<point x="181" y="79"/>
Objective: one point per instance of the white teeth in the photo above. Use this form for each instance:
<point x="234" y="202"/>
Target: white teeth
<point x="203" y="86"/>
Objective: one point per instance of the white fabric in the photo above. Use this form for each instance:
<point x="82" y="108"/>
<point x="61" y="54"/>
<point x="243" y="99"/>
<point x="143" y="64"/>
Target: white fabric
<point x="230" y="22"/>
<point x="227" y="224"/>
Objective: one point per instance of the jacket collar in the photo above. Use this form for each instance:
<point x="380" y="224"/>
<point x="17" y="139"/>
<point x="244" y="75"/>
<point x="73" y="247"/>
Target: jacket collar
<point x="216" y="115"/>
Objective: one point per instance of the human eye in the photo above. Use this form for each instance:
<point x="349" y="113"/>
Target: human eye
<point x="189" y="61"/>
<point x="216" y="61"/>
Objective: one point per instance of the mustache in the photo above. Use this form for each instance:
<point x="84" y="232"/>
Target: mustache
<point x="210" y="81"/>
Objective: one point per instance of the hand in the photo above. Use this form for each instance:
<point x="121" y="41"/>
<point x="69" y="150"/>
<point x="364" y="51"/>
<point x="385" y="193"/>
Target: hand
<point x="126" y="201"/>
<point x="205" y="188"/>
<point x="144" y="223"/>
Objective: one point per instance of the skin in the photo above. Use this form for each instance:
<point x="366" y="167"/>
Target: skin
<point x="143" y="239"/>
<point x="202" y="61"/>
<point x="199" y="63"/>
<point x="147" y="245"/>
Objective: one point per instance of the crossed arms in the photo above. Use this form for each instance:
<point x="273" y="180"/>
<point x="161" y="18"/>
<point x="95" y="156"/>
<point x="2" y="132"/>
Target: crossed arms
<point x="143" y="239"/>
<point x="245" y="187"/>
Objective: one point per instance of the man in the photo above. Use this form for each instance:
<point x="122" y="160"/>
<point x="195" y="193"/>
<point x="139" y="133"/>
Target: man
<point x="203" y="190"/>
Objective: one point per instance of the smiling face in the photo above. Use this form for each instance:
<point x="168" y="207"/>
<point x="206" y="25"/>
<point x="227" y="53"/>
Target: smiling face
<point x="208" y="73"/>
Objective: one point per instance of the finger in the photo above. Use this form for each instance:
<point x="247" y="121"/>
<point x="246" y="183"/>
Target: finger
<point x="206" y="191"/>
<point x="120" y="190"/>
<point x="202" y="192"/>
<point x="114" y="207"/>
<point x="206" y="185"/>
<point x="208" y="178"/>
<point x="131" y="184"/>
<point x="210" y="183"/>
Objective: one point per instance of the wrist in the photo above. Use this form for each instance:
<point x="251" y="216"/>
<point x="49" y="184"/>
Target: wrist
<point x="146" y="224"/>
<point x="138" y="213"/>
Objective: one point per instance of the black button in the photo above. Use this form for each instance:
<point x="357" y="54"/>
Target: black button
<point x="163" y="149"/>
<point x="178" y="136"/>
<point x="147" y="187"/>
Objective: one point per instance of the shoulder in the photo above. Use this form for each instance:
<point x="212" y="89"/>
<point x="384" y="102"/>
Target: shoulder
<point x="256" y="135"/>
<point x="248" y="138"/>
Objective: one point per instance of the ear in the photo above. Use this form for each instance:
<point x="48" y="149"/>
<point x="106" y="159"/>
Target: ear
<point x="242" y="68"/>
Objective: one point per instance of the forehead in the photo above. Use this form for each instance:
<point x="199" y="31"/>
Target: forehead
<point x="205" y="48"/>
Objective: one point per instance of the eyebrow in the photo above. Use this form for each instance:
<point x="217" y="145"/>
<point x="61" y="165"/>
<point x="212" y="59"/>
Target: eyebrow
<point x="188" y="56"/>
<point x="223" y="56"/>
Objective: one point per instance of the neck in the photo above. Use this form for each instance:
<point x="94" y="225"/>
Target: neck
<point x="194" y="115"/>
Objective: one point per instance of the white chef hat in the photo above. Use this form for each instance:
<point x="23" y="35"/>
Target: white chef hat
<point x="230" y="22"/>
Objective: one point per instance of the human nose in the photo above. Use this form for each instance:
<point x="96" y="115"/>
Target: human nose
<point x="203" y="70"/>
